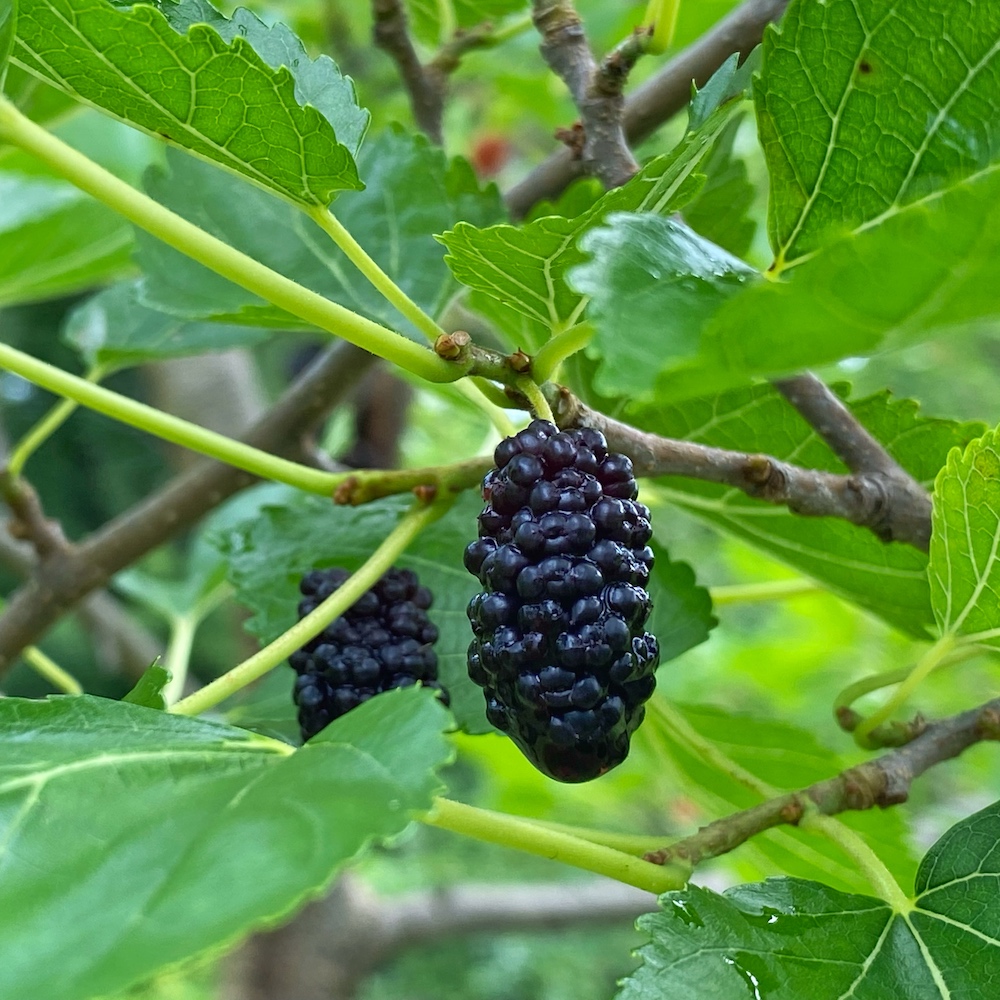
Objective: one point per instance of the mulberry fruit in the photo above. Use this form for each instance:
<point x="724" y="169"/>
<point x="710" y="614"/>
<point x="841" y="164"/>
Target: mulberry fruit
<point x="559" y="645"/>
<point x="384" y="641"/>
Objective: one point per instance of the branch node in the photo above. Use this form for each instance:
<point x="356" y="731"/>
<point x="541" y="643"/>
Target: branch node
<point x="615" y="67"/>
<point x="29" y="521"/>
<point x="792" y="811"/>
<point x="847" y="718"/>
<point x="520" y="362"/>
<point x="896" y="791"/>
<point x="346" y="492"/>
<point x="759" y="470"/>
<point x="859" y="792"/>
<point x="573" y="138"/>
<point x="988" y="723"/>
<point x="565" y="406"/>
<point x="451" y="346"/>
<point x="598" y="141"/>
<point x="449" y="56"/>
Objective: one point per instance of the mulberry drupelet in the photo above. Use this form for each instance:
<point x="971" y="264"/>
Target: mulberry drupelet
<point x="384" y="641"/>
<point x="559" y="645"/>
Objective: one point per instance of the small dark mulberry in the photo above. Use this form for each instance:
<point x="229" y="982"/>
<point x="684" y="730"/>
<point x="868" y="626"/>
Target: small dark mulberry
<point x="559" y="647"/>
<point x="384" y="641"/>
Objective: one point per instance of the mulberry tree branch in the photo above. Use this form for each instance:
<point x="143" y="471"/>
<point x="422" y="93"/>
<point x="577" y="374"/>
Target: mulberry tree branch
<point x="426" y="92"/>
<point x="886" y="500"/>
<point x="120" y="642"/>
<point x="906" y="513"/>
<point x="836" y="425"/>
<point x="596" y="90"/>
<point x="894" y="507"/>
<point x="62" y="578"/>
<point x="884" y="781"/>
<point x="659" y="98"/>
<point x="425" y="83"/>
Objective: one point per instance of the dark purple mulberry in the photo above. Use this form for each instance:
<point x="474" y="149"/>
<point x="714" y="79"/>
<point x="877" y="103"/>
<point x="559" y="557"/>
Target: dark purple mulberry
<point x="559" y="645"/>
<point x="384" y="641"/>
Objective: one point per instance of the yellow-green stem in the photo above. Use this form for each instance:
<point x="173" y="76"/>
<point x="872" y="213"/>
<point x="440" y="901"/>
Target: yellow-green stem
<point x="862" y="855"/>
<point x="873" y="682"/>
<point x="388" y="288"/>
<point x="418" y="518"/>
<point x="931" y="659"/>
<point x="494" y="394"/>
<point x="216" y="255"/>
<point x="523" y="835"/>
<point x="447" y="19"/>
<point x="539" y="404"/>
<point x="661" y="15"/>
<point x="628" y="843"/>
<point x="46" y="667"/>
<point x="177" y="657"/>
<point x="771" y="590"/>
<point x="487" y="404"/>
<point x="167" y="427"/>
<point x="554" y="352"/>
<point x="47" y="426"/>
<point x="395" y="295"/>
<point x="512" y="29"/>
<point x="683" y="732"/>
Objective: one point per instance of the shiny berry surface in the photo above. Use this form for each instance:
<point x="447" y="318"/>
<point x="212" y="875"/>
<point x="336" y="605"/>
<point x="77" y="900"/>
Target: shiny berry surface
<point x="384" y="641"/>
<point x="559" y="646"/>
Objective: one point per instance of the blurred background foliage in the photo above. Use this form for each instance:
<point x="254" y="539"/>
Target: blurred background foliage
<point x="779" y="660"/>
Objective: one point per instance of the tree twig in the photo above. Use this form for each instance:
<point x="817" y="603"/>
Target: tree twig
<point x="613" y="70"/>
<point x="29" y="521"/>
<point x="328" y="950"/>
<point x="391" y="33"/>
<point x="120" y="642"/>
<point x="659" y="98"/>
<point x="885" y="505"/>
<point x="596" y="90"/>
<point x="447" y="59"/>
<point x="906" y="516"/>
<point x="836" y="425"/>
<point x="892" y="505"/>
<point x="365" y="486"/>
<point x="426" y="84"/>
<point x="63" y="578"/>
<point x="884" y="781"/>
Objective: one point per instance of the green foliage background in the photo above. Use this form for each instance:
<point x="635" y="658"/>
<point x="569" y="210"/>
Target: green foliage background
<point x="774" y="668"/>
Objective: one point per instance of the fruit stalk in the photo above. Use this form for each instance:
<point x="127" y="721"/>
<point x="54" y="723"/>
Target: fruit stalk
<point x="417" y="518"/>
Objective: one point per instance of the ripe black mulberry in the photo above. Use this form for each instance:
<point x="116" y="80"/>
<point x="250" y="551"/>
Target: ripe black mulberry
<point x="384" y="641"/>
<point x="563" y="556"/>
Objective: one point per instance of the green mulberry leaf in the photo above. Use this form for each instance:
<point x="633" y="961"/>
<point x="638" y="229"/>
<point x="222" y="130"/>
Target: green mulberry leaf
<point x="964" y="568"/>
<point x="211" y="93"/>
<point x="786" y="939"/>
<point x="523" y="269"/>
<point x="865" y="106"/>
<point x="135" y="839"/>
